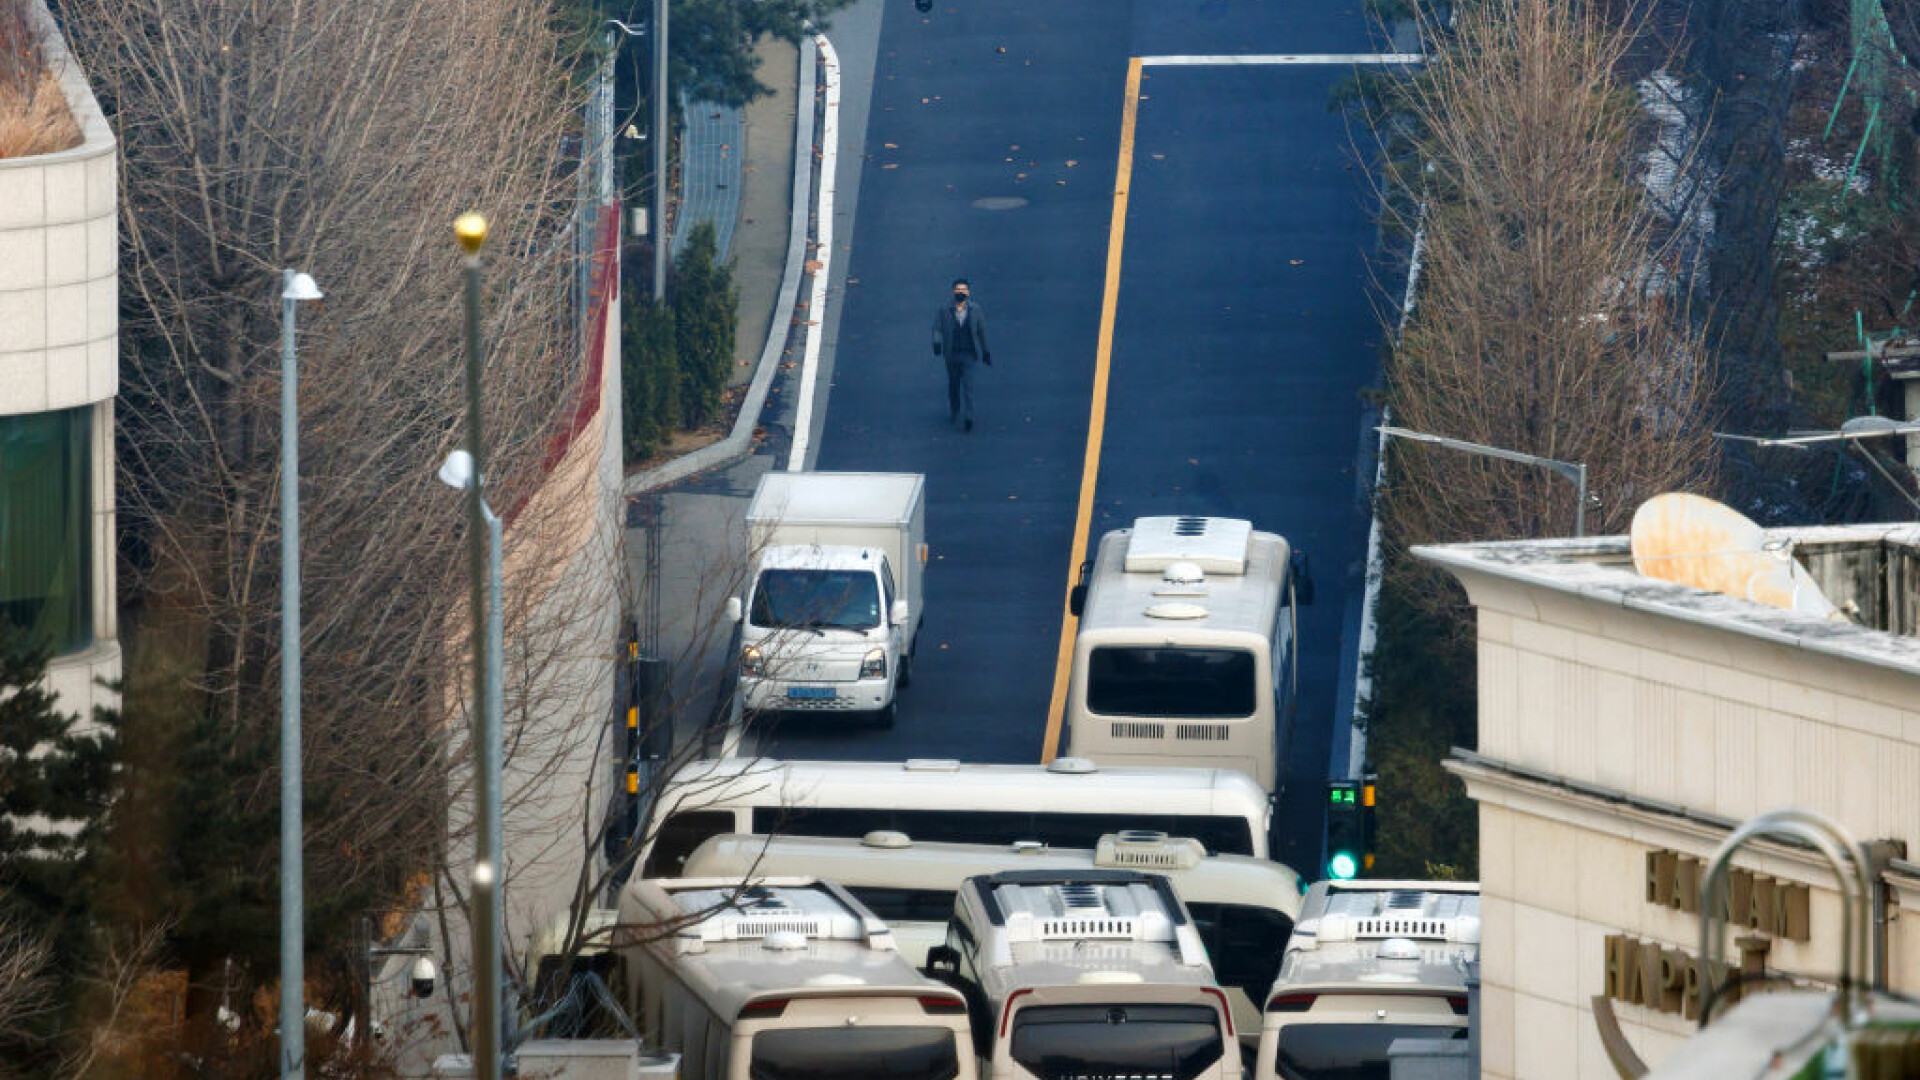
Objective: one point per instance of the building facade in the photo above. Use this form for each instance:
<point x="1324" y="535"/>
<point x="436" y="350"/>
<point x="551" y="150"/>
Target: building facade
<point x="59" y="374"/>
<point x="1626" y="726"/>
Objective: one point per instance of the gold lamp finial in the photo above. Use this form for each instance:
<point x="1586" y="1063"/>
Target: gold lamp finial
<point x="471" y="230"/>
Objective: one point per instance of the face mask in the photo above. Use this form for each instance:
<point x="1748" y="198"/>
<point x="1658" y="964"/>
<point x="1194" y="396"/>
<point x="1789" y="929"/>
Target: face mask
<point x="959" y="298"/>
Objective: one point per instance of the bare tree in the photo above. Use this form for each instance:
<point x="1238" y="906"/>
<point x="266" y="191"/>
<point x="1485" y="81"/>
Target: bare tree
<point x="1553" y="314"/>
<point x="341" y="140"/>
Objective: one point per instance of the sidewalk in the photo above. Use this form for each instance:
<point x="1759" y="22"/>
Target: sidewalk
<point x="685" y="539"/>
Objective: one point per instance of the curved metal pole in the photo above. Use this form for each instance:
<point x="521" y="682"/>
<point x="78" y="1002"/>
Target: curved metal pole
<point x="1830" y="840"/>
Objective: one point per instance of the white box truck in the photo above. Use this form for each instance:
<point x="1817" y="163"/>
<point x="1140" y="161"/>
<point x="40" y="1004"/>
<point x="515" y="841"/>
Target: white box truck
<point x="832" y="610"/>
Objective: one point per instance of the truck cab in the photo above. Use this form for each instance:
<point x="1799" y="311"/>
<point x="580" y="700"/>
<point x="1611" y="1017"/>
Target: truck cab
<point x="824" y="630"/>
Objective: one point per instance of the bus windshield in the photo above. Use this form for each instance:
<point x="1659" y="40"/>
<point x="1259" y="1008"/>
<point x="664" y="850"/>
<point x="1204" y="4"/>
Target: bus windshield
<point x="816" y="600"/>
<point x="849" y="1053"/>
<point x="1085" y="1042"/>
<point x="1171" y="682"/>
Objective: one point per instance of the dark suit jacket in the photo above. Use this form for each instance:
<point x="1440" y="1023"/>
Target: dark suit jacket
<point x="945" y="327"/>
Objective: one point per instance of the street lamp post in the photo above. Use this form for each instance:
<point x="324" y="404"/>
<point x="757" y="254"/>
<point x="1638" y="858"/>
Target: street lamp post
<point x="1575" y="471"/>
<point x="294" y="287"/>
<point x="465" y="469"/>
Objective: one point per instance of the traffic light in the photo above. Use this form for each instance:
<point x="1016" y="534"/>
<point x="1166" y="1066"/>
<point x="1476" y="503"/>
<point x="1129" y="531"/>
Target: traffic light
<point x="1366" y="823"/>
<point x="1346" y="829"/>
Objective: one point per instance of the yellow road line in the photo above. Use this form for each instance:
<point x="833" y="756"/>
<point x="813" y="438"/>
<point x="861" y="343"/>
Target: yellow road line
<point x="1097" y="412"/>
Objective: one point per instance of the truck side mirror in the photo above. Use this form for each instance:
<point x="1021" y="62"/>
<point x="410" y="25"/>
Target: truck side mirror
<point x="898" y="613"/>
<point x="1077" y="600"/>
<point x="1302" y="579"/>
<point x="733" y="609"/>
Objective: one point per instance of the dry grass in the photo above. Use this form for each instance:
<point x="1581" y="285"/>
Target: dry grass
<point x="33" y="112"/>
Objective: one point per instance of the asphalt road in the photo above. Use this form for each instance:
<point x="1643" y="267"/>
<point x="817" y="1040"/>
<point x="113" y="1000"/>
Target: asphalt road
<point x="1246" y="328"/>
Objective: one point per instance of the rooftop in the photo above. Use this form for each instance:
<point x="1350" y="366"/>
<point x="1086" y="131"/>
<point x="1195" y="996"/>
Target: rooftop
<point x="1870" y="572"/>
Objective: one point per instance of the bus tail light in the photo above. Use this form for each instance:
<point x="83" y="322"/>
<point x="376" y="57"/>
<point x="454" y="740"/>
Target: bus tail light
<point x="934" y="1005"/>
<point x="764" y="1009"/>
<point x="1291" y="1003"/>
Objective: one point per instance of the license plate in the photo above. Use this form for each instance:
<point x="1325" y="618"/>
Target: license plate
<point x="811" y="693"/>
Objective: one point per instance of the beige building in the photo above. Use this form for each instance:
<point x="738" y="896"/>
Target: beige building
<point x="59" y="373"/>
<point x="1626" y="726"/>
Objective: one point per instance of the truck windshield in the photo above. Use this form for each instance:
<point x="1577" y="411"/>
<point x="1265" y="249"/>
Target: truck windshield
<point x="816" y="600"/>
<point x="1092" y="1042"/>
<point x="1166" y="681"/>
<point x="848" y="1053"/>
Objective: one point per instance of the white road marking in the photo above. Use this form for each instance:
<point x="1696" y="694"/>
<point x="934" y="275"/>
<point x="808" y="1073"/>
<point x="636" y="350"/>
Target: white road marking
<point x="1283" y="58"/>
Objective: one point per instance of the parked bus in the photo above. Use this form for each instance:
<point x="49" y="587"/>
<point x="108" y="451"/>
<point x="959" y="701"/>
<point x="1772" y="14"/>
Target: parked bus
<point x="1186" y="652"/>
<point x="1085" y="973"/>
<point x="1067" y="803"/>
<point x="1370" y="962"/>
<point x="789" y="979"/>
<point x="1243" y="907"/>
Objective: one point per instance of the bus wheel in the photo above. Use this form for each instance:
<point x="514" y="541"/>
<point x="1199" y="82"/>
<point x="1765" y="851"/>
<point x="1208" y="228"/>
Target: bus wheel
<point x="884" y="717"/>
<point x="906" y="671"/>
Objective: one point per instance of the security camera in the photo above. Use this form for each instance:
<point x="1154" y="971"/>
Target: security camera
<point x="421" y="976"/>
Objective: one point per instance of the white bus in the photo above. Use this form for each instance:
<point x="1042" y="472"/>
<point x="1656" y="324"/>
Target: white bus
<point x="1186" y="652"/>
<point x="1370" y="962"/>
<point x="790" y="979"/>
<point x="1067" y="803"/>
<point x="1085" y="973"/>
<point x="1243" y="907"/>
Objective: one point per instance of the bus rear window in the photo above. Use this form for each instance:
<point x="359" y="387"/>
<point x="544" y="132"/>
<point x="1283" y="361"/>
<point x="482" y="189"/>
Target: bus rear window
<point x="848" y="1053"/>
<point x="1162" y="681"/>
<point x="1347" y="1051"/>
<point x="1140" y="1042"/>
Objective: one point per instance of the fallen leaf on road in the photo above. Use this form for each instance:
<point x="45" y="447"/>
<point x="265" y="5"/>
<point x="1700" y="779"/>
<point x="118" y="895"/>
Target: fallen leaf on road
<point x="1015" y="146"/>
<point x="893" y="146"/>
<point x="1295" y="262"/>
<point x="888" y="165"/>
<point x="1072" y="163"/>
<point x="1000" y="48"/>
<point x="1159" y="157"/>
<point x="923" y="101"/>
<point x="813" y="266"/>
<point x="1061" y="183"/>
<point x="1193" y="461"/>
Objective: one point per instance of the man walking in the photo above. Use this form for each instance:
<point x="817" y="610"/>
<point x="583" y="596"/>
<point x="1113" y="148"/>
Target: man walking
<point x="960" y="338"/>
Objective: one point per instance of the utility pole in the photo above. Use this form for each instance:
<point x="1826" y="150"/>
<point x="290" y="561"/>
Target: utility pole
<point x="662" y="135"/>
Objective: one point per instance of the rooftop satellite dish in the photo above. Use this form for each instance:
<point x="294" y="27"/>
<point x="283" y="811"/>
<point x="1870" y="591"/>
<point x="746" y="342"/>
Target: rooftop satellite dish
<point x="1690" y="540"/>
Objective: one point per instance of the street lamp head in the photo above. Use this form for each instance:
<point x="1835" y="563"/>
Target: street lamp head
<point x="301" y="287"/>
<point x="457" y="470"/>
<point x="471" y="230"/>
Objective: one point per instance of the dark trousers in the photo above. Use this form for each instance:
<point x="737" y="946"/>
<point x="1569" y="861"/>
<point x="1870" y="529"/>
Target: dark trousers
<point x="960" y="387"/>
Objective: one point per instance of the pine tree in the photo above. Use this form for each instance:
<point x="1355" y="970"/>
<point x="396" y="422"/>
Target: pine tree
<point x="704" y="309"/>
<point x="55" y="780"/>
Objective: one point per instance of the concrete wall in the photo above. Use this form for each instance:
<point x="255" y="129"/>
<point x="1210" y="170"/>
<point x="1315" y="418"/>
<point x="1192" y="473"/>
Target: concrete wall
<point x="1694" y="721"/>
<point x="59" y="327"/>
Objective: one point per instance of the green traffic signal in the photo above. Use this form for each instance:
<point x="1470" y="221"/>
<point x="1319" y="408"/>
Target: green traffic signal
<point x="1342" y="866"/>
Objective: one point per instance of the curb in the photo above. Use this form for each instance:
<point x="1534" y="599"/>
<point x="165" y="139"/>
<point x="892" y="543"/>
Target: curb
<point x="739" y="442"/>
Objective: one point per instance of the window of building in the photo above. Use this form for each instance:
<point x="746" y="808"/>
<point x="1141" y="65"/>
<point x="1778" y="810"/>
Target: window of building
<point x="46" y="535"/>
